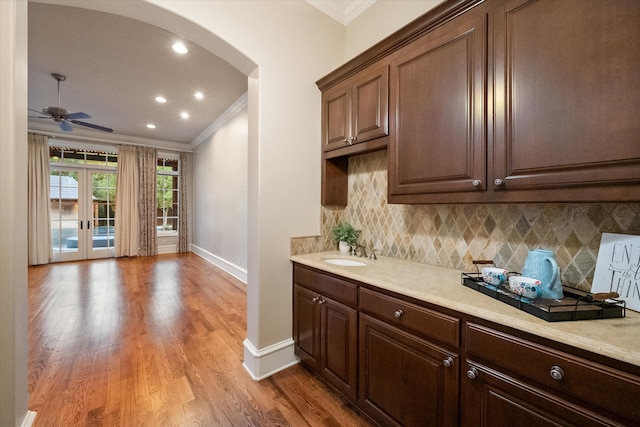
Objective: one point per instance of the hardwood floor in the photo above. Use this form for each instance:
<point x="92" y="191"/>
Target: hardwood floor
<point x="156" y="341"/>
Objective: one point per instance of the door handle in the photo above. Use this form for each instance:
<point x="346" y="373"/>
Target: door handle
<point x="81" y="223"/>
<point x="88" y="225"/>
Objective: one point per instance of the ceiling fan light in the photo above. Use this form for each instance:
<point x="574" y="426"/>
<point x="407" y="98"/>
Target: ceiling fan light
<point x="180" y="48"/>
<point x="161" y="99"/>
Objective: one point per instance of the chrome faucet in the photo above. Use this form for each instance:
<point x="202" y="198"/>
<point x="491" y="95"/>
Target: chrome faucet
<point x="373" y="254"/>
<point x="363" y="252"/>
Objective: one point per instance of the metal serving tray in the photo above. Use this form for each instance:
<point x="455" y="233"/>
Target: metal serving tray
<point x="573" y="306"/>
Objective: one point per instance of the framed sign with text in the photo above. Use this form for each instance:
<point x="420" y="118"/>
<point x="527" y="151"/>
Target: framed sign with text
<point x="618" y="268"/>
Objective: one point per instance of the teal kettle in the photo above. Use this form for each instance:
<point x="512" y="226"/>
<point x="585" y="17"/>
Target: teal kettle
<point x="541" y="264"/>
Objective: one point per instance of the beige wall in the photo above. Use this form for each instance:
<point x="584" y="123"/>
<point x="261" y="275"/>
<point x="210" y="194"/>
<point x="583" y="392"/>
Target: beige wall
<point x="380" y="20"/>
<point x="220" y="174"/>
<point x="13" y="241"/>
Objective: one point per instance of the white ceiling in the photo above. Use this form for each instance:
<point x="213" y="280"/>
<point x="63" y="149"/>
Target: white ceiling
<point x="116" y="66"/>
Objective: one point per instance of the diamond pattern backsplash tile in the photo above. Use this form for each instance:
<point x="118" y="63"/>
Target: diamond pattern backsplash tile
<point x="454" y="235"/>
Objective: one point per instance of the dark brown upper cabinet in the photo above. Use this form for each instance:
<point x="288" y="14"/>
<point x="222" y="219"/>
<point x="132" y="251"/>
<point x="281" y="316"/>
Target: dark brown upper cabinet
<point x="497" y="101"/>
<point x="356" y="110"/>
<point x="437" y="138"/>
<point x="566" y="101"/>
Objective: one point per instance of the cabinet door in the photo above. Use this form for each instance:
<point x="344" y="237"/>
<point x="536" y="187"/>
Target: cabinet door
<point x="370" y="105"/>
<point x="437" y="140"/>
<point x="336" y="117"/>
<point x="566" y="100"/>
<point x="306" y="326"/>
<point x="403" y="379"/>
<point x="494" y="399"/>
<point x="339" y="346"/>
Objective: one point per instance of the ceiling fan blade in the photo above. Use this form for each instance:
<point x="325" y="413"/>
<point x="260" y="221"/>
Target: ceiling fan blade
<point x="65" y="126"/>
<point x="91" y="125"/>
<point x="78" y="115"/>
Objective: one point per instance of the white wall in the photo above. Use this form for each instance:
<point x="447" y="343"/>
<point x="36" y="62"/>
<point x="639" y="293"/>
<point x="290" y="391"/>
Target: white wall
<point x="220" y="174"/>
<point x="13" y="235"/>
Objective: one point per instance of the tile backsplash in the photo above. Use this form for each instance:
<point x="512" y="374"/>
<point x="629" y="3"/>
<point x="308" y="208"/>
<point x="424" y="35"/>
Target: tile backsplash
<point x="454" y="235"/>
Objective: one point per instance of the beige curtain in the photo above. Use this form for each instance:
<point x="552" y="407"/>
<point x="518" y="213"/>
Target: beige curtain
<point x="127" y="193"/>
<point x="185" y="173"/>
<point x="39" y="216"/>
<point x="147" y="159"/>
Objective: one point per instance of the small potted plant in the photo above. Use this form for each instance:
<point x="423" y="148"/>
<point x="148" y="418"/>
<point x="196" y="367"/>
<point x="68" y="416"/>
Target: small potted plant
<point x="346" y="236"/>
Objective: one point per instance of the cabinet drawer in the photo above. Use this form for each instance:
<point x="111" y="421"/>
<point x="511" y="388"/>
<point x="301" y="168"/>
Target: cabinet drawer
<point x="588" y="381"/>
<point x="438" y="326"/>
<point x="329" y="286"/>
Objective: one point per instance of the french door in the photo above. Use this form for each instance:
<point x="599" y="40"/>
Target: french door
<point x="82" y="213"/>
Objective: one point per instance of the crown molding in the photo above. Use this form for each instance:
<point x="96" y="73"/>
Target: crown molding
<point x="80" y="135"/>
<point x="343" y="11"/>
<point x="225" y="117"/>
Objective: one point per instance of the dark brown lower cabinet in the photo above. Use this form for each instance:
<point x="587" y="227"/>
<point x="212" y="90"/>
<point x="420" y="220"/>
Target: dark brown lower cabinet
<point x="509" y="380"/>
<point x="326" y="338"/>
<point x="492" y="398"/>
<point x="405" y="380"/>
<point x="405" y="363"/>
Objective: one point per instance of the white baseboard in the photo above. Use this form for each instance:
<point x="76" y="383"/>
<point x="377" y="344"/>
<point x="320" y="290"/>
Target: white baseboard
<point x="29" y="419"/>
<point x="234" y="270"/>
<point x="167" y="249"/>
<point x="265" y="362"/>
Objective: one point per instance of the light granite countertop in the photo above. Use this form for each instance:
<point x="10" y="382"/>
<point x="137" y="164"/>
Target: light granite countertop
<point x="615" y="338"/>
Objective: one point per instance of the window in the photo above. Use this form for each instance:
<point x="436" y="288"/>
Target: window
<point x="83" y="157"/>
<point x="167" y="196"/>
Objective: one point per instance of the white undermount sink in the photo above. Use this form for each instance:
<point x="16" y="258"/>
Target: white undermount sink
<point x="345" y="262"/>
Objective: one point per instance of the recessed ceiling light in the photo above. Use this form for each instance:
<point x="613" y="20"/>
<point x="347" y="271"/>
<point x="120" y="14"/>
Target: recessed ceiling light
<point x="151" y="126"/>
<point x="198" y="95"/>
<point x="180" y="48"/>
<point x="184" y="115"/>
<point x="161" y="99"/>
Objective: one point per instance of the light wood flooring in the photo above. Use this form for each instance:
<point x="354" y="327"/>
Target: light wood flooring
<point x="156" y="341"/>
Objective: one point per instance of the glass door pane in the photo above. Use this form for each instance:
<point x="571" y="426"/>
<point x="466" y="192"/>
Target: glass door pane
<point x="65" y="214"/>
<point x="103" y="200"/>
<point x="82" y="213"/>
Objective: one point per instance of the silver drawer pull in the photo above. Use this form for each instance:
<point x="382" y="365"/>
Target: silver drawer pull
<point x="556" y="372"/>
<point x="448" y="362"/>
<point x="472" y="373"/>
<point x="398" y="313"/>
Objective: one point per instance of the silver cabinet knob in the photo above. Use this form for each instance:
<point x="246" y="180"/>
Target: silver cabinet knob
<point x="448" y="362"/>
<point x="315" y="299"/>
<point x="556" y="373"/>
<point x="472" y="373"/>
<point x="476" y="182"/>
<point x="347" y="141"/>
<point x="354" y="138"/>
<point x="322" y="301"/>
<point x="398" y="313"/>
<point x="498" y="182"/>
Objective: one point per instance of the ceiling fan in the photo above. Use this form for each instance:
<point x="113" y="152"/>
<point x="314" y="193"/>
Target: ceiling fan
<point x="63" y="117"/>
